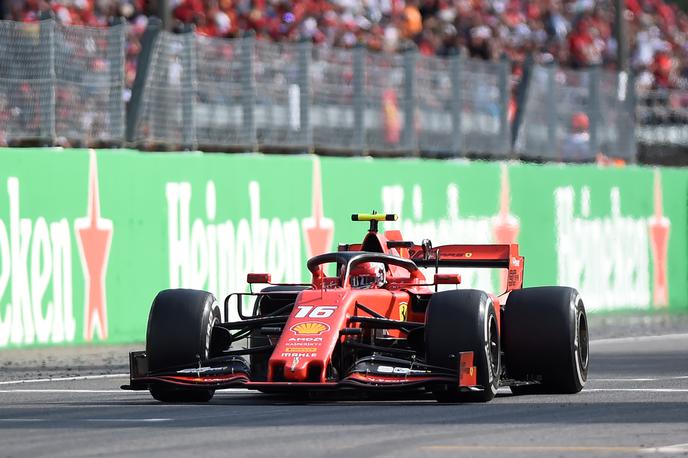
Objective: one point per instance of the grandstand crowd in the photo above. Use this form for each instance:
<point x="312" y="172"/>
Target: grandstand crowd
<point x="572" y="33"/>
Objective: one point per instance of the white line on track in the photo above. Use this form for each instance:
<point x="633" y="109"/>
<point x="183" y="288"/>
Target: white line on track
<point x="638" y="390"/>
<point x="639" y="338"/>
<point x="656" y="379"/>
<point x="93" y="420"/>
<point x="61" y="391"/>
<point x="64" y="379"/>
<point x="124" y="392"/>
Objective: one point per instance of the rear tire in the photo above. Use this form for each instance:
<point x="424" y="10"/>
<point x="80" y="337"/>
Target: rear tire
<point x="458" y="321"/>
<point x="180" y="326"/>
<point x="546" y="339"/>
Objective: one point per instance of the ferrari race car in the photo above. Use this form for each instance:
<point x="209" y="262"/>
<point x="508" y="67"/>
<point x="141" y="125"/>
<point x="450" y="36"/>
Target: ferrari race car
<point x="371" y="320"/>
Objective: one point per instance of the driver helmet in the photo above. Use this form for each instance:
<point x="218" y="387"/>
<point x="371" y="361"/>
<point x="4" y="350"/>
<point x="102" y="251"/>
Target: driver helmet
<point x="367" y="274"/>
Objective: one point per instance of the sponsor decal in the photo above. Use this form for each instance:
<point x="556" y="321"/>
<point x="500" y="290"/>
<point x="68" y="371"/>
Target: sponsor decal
<point x="301" y="349"/>
<point x="215" y="255"/>
<point x="310" y="328"/>
<point x="94" y="236"/>
<point x="309" y="340"/>
<point x="659" y="227"/>
<point x="297" y="355"/>
<point x="403" y="311"/>
<point x="36" y="271"/>
<point x="606" y="258"/>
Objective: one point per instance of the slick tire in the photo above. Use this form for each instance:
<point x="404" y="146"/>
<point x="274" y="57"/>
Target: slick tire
<point x="180" y="326"/>
<point x="546" y="339"/>
<point x="458" y="321"/>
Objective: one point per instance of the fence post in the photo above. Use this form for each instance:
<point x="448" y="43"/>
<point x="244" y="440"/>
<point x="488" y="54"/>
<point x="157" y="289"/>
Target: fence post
<point x="630" y="143"/>
<point x="47" y="40"/>
<point x="521" y="98"/>
<point x="248" y="53"/>
<point x="456" y="105"/>
<point x="552" y="116"/>
<point x="359" y="54"/>
<point x="504" y="96"/>
<point x="148" y="41"/>
<point x="409" y="140"/>
<point x="116" y="115"/>
<point x="189" y="84"/>
<point x="305" y="49"/>
<point x="594" y="109"/>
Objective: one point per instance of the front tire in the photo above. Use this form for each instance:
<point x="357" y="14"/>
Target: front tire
<point x="546" y="340"/>
<point x="459" y="321"/>
<point x="179" y="333"/>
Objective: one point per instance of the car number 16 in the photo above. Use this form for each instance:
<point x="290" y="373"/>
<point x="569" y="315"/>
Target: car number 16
<point x="321" y="311"/>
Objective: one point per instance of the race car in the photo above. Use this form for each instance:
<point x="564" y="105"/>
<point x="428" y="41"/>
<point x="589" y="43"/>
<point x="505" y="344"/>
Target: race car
<point x="370" y="320"/>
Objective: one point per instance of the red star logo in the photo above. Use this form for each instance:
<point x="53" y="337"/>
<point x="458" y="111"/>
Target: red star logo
<point x="318" y="229"/>
<point x="94" y="235"/>
<point x="505" y="225"/>
<point x="659" y="227"/>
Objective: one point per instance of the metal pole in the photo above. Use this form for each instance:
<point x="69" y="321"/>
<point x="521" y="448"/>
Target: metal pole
<point x="409" y="140"/>
<point x="188" y="83"/>
<point x="116" y="57"/>
<point x="456" y="105"/>
<point x="164" y="11"/>
<point x="504" y="96"/>
<point x="47" y="102"/>
<point x="359" y="142"/>
<point x="148" y="41"/>
<point x="620" y="34"/>
<point x="552" y="118"/>
<point x="248" y="51"/>
<point x="521" y="98"/>
<point x="594" y="109"/>
<point x="305" y="48"/>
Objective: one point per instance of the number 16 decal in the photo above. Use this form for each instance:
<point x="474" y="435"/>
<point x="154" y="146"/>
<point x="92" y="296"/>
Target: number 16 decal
<point x="321" y="311"/>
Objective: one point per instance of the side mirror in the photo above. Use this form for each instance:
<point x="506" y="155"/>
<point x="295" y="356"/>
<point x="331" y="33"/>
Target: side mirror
<point x="257" y="278"/>
<point x="447" y="279"/>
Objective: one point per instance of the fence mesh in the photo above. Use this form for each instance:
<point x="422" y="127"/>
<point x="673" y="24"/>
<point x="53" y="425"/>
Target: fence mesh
<point x="662" y="117"/>
<point x="26" y="81"/>
<point x="484" y="126"/>
<point x="224" y="107"/>
<point x="572" y="115"/>
<point x="89" y="71"/>
<point x="437" y="110"/>
<point x="333" y="103"/>
<point x="385" y="104"/>
<point x="164" y="117"/>
<point x="61" y="83"/>
<point x="282" y="93"/>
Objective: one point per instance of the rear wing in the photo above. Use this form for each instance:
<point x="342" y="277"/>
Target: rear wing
<point x="498" y="256"/>
<point x="480" y="256"/>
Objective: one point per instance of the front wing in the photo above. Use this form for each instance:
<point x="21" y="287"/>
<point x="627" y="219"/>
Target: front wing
<point x="368" y="373"/>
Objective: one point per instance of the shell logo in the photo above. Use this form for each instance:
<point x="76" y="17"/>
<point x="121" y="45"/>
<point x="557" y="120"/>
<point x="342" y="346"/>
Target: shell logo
<point x="310" y="328"/>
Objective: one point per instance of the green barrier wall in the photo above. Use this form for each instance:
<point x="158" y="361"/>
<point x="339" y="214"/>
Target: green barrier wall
<point x="87" y="239"/>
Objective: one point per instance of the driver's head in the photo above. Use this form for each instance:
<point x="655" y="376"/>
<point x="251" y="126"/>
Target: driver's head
<point x="367" y="274"/>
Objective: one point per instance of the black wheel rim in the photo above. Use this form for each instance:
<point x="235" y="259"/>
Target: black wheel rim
<point x="493" y="346"/>
<point x="582" y="337"/>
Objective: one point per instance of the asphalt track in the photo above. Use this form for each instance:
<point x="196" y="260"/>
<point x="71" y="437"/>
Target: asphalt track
<point x="635" y="404"/>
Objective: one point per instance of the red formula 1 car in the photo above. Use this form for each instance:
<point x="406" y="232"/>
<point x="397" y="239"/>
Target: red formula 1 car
<point x="370" y="319"/>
